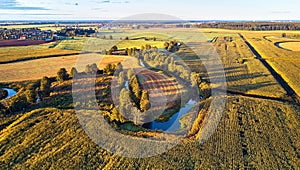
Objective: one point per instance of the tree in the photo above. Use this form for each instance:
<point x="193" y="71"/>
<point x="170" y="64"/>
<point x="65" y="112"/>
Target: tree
<point x="116" y="116"/>
<point x="94" y="68"/>
<point x="166" y="45"/>
<point x="283" y="35"/>
<point x="119" y="68"/>
<point x="134" y="87"/>
<point x="73" y="72"/>
<point x="91" y="69"/>
<point x="130" y="73"/>
<point x="125" y="104"/>
<point x="30" y="94"/>
<point x="114" y="48"/>
<point x="145" y="103"/>
<point x="45" y="86"/>
<point x="62" y="75"/>
<point x="110" y="69"/>
<point x="121" y="79"/>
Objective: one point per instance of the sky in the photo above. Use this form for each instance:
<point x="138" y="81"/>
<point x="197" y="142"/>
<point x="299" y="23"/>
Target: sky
<point x="149" y="9"/>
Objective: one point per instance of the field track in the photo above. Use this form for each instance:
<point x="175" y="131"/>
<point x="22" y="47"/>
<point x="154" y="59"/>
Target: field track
<point x="290" y="92"/>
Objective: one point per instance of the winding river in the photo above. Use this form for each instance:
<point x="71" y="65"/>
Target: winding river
<point x="173" y="124"/>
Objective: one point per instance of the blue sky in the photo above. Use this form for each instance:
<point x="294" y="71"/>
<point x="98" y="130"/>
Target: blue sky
<point x="118" y="9"/>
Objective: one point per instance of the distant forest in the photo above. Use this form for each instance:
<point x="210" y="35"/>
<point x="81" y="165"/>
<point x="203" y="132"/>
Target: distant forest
<point x="254" y="26"/>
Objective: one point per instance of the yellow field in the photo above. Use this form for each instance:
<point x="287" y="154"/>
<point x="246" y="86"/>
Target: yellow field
<point x="293" y="46"/>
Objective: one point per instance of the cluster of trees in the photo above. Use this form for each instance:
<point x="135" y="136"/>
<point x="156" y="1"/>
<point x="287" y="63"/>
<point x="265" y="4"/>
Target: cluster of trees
<point x="133" y="100"/>
<point x="253" y="26"/>
<point x="115" y="51"/>
<point x="139" y="96"/>
<point x="70" y="32"/>
<point x="37" y="91"/>
<point x="172" y="46"/>
<point x="173" y="65"/>
<point x="167" y="62"/>
<point x="32" y="93"/>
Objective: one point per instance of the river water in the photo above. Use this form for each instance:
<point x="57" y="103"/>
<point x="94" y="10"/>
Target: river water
<point x="173" y="124"/>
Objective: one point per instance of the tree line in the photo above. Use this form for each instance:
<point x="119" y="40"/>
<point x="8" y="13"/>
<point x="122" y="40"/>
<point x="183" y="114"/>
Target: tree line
<point x="253" y="26"/>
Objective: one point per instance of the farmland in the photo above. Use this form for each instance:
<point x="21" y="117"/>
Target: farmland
<point x="35" y="69"/>
<point x="12" y="54"/>
<point x="285" y="62"/>
<point x="258" y="129"/>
